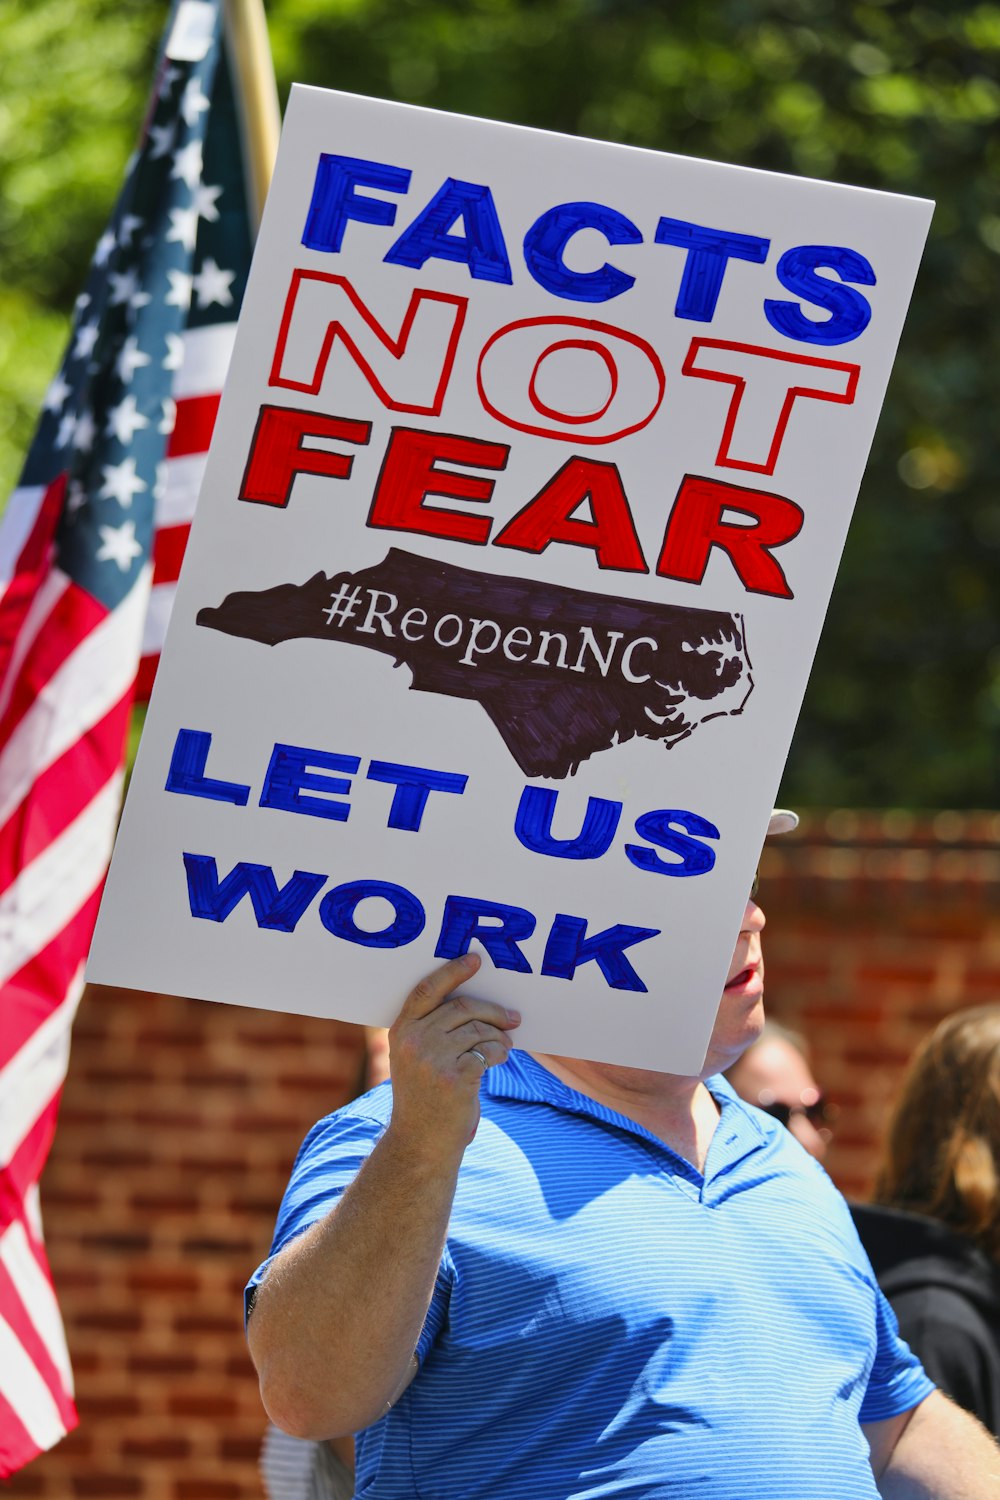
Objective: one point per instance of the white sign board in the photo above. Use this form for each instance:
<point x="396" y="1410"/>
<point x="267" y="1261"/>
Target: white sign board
<point x="526" y="497"/>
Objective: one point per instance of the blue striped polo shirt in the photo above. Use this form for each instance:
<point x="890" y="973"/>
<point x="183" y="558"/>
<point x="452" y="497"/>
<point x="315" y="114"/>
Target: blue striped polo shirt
<point x="609" y="1322"/>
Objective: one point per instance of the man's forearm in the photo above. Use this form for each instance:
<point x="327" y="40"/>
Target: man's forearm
<point x="943" y="1454"/>
<point x="339" y="1314"/>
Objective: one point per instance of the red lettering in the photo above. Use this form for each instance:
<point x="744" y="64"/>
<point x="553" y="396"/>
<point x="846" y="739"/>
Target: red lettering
<point x="549" y="517"/>
<point x="410" y="473"/>
<point x="766" y="384"/>
<point x="408" y="373"/>
<point x="277" y="453"/>
<point x="696" y="525"/>
<point x="617" y="376"/>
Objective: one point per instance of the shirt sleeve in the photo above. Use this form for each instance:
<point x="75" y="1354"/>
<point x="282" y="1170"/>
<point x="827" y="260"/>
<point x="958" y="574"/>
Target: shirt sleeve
<point x="898" y="1381"/>
<point x="935" y="1322"/>
<point x="329" y="1159"/>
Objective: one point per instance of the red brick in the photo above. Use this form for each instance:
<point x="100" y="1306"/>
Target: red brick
<point x="207" y="1489"/>
<point x="247" y="1448"/>
<point x="164" y="1203"/>
<point x="107" y="1321"/>
<point x="170" y="1119"/>
<point x="127" y="1241"/>
<point x="97" y="1408"/>
<point x="156" y="1447"/>
<point x="221" y="1166"/>
<point x="162" y="1364"/>
<point x="104" y="1486"/>
<point x="897" y="973"/>
<point x="219" y="1078"/>
<point x="116" y="1159"/>
<point x="211" y="1408"/>
<point x="895" y="1058"/>
<point x="78" y="1279"/>
<point x="166" y="1280"/>
<point x="204" y="1323"/>
<point x="108" y="1079"/>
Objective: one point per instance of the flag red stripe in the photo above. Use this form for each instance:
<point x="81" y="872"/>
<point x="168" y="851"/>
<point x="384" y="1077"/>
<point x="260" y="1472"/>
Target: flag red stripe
<point x="75" y="615"/>
<point x="25" y="1166"/>
<point x="145" y="677"/>
<point x="193" y="425"/>
<point x="16" y="1447"/>
<point x="62" y="791"/>
<point x="32" y="565"/>
<point x="168" y="553"/>
<point x="41" y="984"/>
<point x="13" y="1310"/>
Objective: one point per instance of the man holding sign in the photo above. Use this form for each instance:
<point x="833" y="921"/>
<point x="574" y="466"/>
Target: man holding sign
<point x="527" y="1275"/>
<point x="525" y="501"/>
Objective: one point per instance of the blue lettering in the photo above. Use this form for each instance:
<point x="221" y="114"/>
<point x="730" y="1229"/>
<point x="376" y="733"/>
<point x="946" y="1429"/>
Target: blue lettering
<point x="413" y="786"/>
<point x="466" y="918"/>
<point x="533" y="825"/>
<point x="568" y="947"/>
<point x="334" y="200"/>
<point x="481" y="247"/>
<point x="709" y="251"/>
<point x="545" y="244"/>
<point x="658" y="827"/>
<point x="287" y="775"/>
<point x="187" y="771"/>
<point x="337" y="908"/>
<point x="850" y="312"/>
<point x="277" y="910"/>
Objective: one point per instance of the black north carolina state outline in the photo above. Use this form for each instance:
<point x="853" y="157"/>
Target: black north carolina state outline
<point x="551" y="717"/>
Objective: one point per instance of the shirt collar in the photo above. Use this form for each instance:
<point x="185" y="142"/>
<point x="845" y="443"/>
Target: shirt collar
<point x="522" y="1077"/>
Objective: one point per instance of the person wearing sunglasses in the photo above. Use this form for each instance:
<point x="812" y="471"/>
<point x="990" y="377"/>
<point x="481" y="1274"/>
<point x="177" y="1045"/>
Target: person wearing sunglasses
<point x="774" y="1074"/>
<point x="520" y="1276"/>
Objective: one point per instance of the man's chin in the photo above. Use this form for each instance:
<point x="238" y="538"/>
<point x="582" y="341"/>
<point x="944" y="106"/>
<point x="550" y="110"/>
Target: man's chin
<point x="746" y="1022"/>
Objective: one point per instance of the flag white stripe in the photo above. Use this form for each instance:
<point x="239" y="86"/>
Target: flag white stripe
<point x="178" y="497"/>
<point x="18" y="519"/>
<point x="24" y="1388"/>
<point x="161" y="602"/>
<point x="50" y="891"/>
<point x="53" y="587"/>
<point x="89" y="683"/>
<point x="35" y="1072"/>
<point x="35" y="1291"/>
<point x="207" y="353"/>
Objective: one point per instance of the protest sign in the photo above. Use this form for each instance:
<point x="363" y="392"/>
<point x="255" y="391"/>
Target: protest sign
<point x="526" y="498"/>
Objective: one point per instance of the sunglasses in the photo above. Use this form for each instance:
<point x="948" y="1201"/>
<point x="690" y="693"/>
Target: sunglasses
<point x="819" y="1114"/>
<point x="755" y="884"/>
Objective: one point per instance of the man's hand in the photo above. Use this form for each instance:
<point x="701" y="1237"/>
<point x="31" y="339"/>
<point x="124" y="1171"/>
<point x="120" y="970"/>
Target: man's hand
<point x="432" y="1057"/>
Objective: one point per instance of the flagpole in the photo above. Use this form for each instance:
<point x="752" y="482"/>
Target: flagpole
<point x="245" y="28"/>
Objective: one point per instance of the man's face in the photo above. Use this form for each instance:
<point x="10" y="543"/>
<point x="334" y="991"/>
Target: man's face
<point x="740" y="1016"/>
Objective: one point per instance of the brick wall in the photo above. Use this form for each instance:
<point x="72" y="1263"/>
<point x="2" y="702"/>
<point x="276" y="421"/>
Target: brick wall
<point x="180" y="1120"/>
<point x="879" y="924"/>
<point x="177" y="1130"/>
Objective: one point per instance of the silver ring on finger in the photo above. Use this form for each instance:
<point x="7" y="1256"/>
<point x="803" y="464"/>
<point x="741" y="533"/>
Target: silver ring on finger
<point x="475" y="1052"/>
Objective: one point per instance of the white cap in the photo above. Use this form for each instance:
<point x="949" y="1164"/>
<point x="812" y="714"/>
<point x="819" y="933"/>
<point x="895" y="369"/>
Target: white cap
<point x="782" y="821"/>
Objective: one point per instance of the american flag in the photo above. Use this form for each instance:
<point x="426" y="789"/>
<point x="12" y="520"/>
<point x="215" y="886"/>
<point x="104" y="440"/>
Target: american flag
<point x="90" y="548"/>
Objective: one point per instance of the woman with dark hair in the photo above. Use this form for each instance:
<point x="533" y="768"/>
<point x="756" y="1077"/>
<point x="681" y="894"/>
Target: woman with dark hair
<point x="933" y="1234"/>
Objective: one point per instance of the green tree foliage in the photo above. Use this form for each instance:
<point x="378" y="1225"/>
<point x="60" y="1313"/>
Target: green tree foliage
<point x="904" y="702"/>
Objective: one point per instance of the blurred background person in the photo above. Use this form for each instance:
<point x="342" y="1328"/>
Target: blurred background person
<point x="775" y="1075"/>
<point x="933" y="1233"/>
